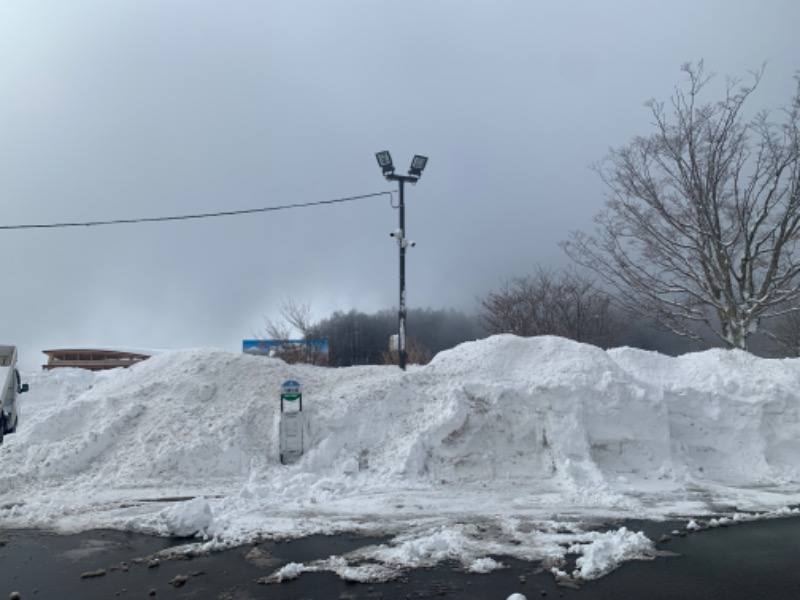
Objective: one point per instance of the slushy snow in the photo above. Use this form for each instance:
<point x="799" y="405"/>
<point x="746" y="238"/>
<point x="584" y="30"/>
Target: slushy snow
<point x="508" y="446"/>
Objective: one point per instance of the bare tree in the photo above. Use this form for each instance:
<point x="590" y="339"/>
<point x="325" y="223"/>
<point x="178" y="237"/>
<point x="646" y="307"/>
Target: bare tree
<point x="785" y="332"/>
<point x="548" y="303"/>
<point x="276" y="330"/>
<point x="702" y="220"/>
<point x="295" y="316"/>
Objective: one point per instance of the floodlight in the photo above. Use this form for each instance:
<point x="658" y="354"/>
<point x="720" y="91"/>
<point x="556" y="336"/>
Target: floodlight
<point x="418" y="165"/>
<point x="385" y="161"/>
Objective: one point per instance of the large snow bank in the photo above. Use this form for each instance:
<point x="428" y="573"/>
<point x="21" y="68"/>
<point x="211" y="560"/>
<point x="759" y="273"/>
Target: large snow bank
<point x="505" y="446"/>
<point x="733" y="417"/>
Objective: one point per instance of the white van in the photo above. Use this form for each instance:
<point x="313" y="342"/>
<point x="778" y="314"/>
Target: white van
<point x="9" y="413"/>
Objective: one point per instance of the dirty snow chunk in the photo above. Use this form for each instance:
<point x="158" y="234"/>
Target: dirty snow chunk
<point x="427" y="549"/>
<point x="484" y="565"/>
<point x="692" y="525"/>
<point x="366" y="573"/>
<point x="516" y="597"/>
<point x="186" y="519"/>
<point x="608" y="550"/>
<point x="721" y="522"/>
<point x="291" y="571"/>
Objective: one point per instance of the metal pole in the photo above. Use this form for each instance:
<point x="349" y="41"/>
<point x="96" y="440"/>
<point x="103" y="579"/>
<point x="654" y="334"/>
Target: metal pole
<point x="401" y="337"/>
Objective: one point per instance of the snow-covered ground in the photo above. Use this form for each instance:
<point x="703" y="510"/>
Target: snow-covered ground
<point x="502" y="447"/>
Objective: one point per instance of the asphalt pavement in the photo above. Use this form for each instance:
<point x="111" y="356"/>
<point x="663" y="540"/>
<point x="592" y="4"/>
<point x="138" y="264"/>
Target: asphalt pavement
<point x="747" y="561"/>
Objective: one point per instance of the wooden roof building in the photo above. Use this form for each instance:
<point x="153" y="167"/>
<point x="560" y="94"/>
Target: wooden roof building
<point x="92" y="359"/>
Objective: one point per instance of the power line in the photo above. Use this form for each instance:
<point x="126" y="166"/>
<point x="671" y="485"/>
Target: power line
<point x="228" y="213"/>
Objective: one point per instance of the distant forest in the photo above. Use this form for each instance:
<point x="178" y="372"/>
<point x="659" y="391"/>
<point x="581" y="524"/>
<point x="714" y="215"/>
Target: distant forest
<point x="359" y="338"/>
<point x="563" y="303"/>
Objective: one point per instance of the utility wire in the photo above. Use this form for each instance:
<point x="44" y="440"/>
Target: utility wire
<point x="228" y="213"/>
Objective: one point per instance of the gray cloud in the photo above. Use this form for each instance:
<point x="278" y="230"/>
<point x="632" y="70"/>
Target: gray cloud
<point x="126" y="110"/>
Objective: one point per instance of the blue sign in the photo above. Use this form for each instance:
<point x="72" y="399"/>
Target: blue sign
<point x="267" y="347"/>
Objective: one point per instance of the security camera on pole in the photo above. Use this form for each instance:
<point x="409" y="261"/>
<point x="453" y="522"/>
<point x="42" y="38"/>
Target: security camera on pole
<point x="418" y="164"/>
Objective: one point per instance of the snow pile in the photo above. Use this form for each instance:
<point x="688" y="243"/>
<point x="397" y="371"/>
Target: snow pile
<point x="605" y="551"/>
<point x="734" y="417"/>
<point x="187" y="519"/>
<point x="502" y="447"/>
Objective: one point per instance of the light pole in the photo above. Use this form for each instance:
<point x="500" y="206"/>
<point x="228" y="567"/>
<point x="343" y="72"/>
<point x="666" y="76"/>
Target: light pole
<point x="418" y="164"/>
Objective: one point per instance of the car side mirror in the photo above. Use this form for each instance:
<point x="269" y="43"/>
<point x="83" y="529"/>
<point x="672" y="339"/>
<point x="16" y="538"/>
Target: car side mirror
<point x="23" y="388"/>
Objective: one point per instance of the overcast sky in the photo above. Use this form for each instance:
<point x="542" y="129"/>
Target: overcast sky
<point x="150" y="108"/>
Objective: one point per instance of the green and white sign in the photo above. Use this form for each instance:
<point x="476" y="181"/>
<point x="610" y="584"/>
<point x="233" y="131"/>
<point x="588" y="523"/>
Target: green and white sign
<point x="290" y="391"/>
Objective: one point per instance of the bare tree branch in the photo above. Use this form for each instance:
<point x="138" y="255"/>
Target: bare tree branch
<point x="702" y="218"/>
<point x="566" y="304"/>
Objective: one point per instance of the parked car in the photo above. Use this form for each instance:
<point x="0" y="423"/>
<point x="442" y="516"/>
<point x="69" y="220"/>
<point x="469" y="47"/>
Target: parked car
<point x="12" y="387"/>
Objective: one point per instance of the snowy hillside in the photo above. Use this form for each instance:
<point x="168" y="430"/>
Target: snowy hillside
<point x="506" y="446"/>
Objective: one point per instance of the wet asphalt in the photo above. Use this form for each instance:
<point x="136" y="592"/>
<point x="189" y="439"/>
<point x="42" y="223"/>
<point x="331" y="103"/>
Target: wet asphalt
<point x="746" y="561"/>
